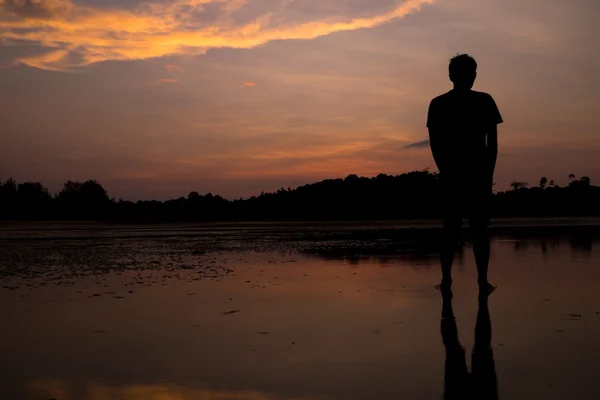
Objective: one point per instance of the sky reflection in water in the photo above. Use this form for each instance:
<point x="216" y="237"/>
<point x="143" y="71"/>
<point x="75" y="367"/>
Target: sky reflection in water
<point x="288" y="324"/>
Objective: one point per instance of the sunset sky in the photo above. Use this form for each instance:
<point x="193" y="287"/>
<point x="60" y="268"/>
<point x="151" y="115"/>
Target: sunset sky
<point x="155" y="99"/>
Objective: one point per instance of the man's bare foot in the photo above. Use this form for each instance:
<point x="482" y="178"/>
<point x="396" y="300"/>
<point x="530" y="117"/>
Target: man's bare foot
<point x="486" y="287"/>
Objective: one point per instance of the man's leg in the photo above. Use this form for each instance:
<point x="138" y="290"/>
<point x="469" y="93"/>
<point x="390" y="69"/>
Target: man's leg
<point x="449" y="241"/>
<point x="481" y="250"/>
<point x="479" y="219"/>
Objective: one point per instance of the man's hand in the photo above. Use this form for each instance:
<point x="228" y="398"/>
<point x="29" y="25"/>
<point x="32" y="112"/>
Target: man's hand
<point x="437" y="150"/>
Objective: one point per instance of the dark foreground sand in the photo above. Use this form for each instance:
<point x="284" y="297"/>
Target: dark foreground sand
<point x="279" y="314"/>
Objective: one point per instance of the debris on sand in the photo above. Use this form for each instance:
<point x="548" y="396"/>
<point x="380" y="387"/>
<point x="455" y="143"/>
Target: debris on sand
<point x="574" y="316"/>
<point x="231" y="312"/>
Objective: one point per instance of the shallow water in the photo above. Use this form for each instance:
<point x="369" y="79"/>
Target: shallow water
<point x="279" y="313"/>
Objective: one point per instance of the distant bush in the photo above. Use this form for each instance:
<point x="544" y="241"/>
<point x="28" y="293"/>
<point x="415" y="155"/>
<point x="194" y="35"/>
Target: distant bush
<point x="413" y="195"/>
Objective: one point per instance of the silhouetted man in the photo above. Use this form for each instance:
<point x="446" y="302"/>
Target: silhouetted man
<point x="464" y="141"/>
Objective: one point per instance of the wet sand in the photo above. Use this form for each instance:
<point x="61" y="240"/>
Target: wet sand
<point x="230" y="313"/>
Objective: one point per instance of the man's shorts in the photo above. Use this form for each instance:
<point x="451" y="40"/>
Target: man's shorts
<point x="469" y="199"/>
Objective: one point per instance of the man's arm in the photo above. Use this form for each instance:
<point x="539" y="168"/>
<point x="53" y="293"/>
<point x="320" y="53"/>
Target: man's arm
<point x="435" y="136"/>
<point x="493" y="119"/>
<point x="437" y="149"/>
<point x="492" y="150"/>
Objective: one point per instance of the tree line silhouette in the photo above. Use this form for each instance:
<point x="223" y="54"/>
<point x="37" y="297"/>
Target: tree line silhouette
<point x="412" y="195"/>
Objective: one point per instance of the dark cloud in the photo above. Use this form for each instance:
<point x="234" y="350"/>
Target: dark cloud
<point x="418" y="145"/>
<point x="115" y="4"/>
<point x="35" y="8"/>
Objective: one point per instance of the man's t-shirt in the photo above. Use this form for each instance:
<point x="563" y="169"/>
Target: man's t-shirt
<point x="461" y="120"/>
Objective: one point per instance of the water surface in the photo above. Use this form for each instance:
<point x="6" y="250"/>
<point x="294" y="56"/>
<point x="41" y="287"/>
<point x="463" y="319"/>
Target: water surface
<point x="279" y="313"/>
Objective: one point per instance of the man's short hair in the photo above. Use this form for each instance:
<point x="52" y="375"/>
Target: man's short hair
<point x="461" y="64"/>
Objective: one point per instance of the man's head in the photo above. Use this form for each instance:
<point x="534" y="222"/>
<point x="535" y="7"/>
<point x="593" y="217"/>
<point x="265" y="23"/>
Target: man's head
<point x="463" y="71"/>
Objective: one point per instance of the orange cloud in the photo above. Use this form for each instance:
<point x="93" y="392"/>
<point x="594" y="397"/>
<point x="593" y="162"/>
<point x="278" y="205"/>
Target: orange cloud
<point x="248" y="84"/>
<point x="76" y="35"/>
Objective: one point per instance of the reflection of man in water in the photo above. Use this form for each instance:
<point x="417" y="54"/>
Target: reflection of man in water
<point x="481" y="383"/>
<point x="464" y="141"/>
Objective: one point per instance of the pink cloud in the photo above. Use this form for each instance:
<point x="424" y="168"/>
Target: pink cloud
<point x="173" y="68"/>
